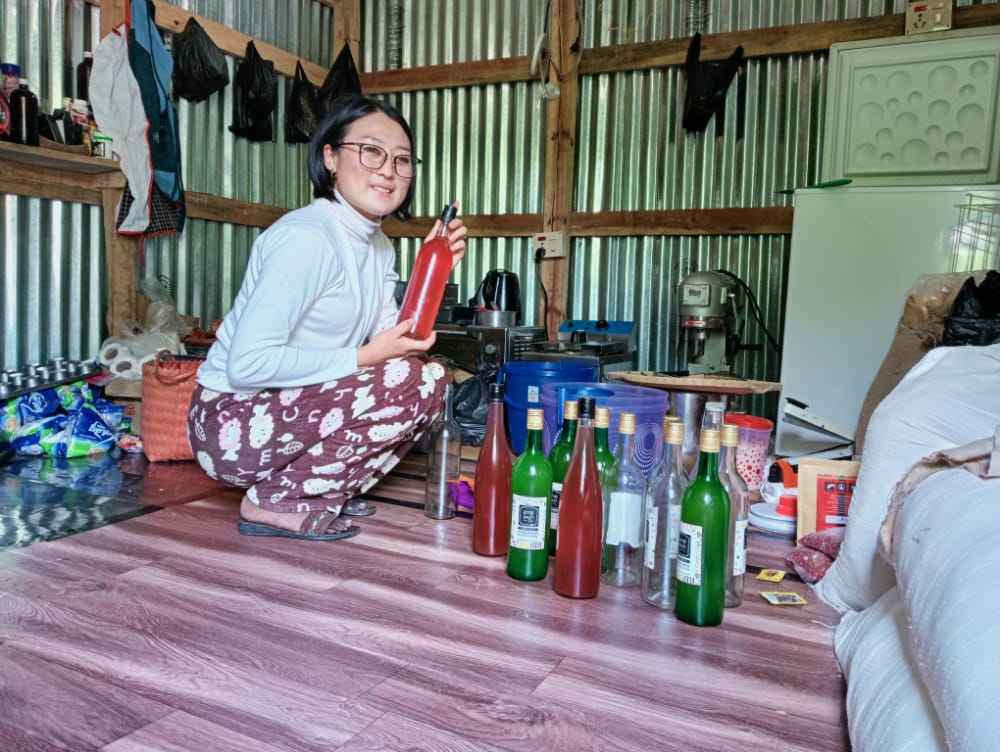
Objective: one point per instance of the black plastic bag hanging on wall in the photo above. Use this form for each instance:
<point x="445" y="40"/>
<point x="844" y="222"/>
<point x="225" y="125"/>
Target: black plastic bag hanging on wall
<point x="707" y="83"/>
<point x="255" y="97"/>
<point x="199" y="65"/>
<point x="975" y="314"/>
<point x="342" y="79"/>
<point x="302" y="114"/>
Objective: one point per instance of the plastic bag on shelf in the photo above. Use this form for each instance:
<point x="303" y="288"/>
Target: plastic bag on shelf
<point x="200" y="68"/>
<point x="255" y="98"/>
<point x="342" y="80"/>
<point x="302" y="113"/>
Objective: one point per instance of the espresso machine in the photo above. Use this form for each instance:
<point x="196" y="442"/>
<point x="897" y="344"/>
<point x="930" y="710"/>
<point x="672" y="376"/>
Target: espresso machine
<point x="711" y="322"/>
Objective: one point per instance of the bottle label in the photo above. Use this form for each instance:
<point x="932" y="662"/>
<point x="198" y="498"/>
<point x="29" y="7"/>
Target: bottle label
<point x="527" y="530"/>
<point x="624" y="519"/>
<point x="740" y="548"/>
<point x="674" y="529"/>
<point x="652" y="515"/>
<point x="533" y="393"/>
<point x="689" y="554"/>
<point x="556" y="495"/>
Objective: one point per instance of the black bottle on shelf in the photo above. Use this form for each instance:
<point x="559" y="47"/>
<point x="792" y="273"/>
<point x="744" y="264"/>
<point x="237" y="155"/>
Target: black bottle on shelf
<point x="24" y="115"/>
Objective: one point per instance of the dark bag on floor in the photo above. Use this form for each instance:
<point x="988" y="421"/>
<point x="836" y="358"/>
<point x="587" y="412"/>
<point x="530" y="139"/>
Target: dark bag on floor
<point x="471" y="404"/>
<point x="255" y="97"/>
<point x="199" y="65"/>
<point x="302" y="114"/>
<point x="975" y="316"/>
<point x="342" y="80"/>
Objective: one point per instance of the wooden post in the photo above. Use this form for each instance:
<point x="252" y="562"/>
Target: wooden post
<point x="347" y="28"/>
<point x="560" y="150"/>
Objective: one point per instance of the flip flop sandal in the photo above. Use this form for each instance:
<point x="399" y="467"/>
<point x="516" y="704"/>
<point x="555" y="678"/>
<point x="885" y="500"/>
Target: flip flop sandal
<point x="358" y="508"/>
<point x="318" y="525"/>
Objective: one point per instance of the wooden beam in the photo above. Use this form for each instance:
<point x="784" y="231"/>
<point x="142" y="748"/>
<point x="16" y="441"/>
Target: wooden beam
<point x="347" y="28"/>
<point x="37" y="182"/>
<point x="122" y="264"/>
<point x="171" y="18"/>
<point x="560" y="152"/>
<point x="231" y="210"/>
<point x="775" y="40"/>
<point x="113" y="13"/>
<point x="479" y="225"/>
<point x="472" y="73"/>
<point x="775" y="220"/>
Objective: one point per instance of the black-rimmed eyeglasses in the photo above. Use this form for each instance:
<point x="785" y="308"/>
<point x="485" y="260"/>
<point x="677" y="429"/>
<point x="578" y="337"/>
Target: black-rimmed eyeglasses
<point x="372" y="157"/>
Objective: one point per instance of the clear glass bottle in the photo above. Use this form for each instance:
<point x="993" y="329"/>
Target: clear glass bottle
<point x="622" y="561"/>
<point x="736" y="555"/>
<point x="663" y="518"/>
<point x="703" y="541"/>
<point x="444" y="461"/>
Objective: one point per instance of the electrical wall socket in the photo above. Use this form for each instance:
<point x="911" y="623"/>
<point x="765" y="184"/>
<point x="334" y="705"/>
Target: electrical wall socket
<point x="924" y="16"/>
<point x="552" y="244"/>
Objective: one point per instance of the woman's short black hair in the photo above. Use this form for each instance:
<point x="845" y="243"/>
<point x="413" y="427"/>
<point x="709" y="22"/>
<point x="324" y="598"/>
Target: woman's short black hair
<point x="344" y="111"/>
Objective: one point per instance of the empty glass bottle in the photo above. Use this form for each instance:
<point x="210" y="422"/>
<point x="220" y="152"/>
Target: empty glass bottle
<point x="703" y="541"/>
<point x="560" y="456"/>
<point x="663" y="518"/>
<point x="443" y="462"/>
<point x="622" y="561"/>
<point x="531" y="486"/>
<point x="736" y="556"/>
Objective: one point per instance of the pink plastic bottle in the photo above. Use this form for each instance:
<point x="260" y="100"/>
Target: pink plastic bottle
<point x="429" y="276"/>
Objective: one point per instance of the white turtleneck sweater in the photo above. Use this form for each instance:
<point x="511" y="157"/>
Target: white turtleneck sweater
<point x="318" y="285"/>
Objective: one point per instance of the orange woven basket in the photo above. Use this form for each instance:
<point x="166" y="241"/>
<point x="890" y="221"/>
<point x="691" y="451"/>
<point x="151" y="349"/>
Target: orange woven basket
<point x="167" y="385"/>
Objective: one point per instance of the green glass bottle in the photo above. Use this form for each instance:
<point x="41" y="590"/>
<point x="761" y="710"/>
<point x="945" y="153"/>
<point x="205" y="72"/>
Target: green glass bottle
<point x="607" y="465"/>
<point x="559" y="457"/>
<point x="704" y="541"/>
<point x="531" y="491"/>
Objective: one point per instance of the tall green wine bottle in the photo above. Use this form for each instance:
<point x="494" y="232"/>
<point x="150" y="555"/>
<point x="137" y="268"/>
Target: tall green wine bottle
<point x="607" y="465"/>
<point x="531" y="489"/>
<point x="704" y="541"/>
<point x="559" y="457"/>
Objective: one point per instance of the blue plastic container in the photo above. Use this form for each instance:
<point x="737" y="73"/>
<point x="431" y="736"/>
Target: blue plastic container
<point x="524" y="380"/>
<point x="649" y="406"/>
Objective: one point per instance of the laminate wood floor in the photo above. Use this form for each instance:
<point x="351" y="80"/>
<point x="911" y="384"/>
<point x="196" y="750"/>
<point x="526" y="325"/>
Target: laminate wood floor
<point x="172" y="632"/>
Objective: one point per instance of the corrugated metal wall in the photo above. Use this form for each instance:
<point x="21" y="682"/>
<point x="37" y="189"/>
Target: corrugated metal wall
<point x="52" y="297"/>
<point x="205" y="264"/>
<point x="634" y="119"/>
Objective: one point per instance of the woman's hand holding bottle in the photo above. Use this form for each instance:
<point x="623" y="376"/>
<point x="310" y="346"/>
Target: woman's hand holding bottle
<point x="393" y="343"/>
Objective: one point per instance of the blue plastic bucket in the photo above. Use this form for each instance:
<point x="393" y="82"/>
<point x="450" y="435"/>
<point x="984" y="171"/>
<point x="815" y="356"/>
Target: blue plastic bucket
<point x="524" y="380"/>
<point x="649" y="406"/>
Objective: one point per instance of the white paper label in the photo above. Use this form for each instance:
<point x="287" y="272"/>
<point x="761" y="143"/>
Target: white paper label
<point x="740" y="548"/>
<point x="533" y="393"/>
<point x="624" y="519"/>
<point x="651" y="518"/>
<point x="689" y="554"/>
<point x="556" y="495"/>
<point x="527" y="530"/>
<point x="674" y="530"/>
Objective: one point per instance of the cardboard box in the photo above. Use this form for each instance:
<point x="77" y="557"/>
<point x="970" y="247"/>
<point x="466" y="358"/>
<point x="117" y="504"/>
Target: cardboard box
<point x="826" y="488"/>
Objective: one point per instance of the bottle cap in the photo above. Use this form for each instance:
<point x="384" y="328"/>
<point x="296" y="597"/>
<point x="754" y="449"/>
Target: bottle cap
<point x="730" y="435"/>
<point x="626" y="424"/>
<point x="22" y="82"/>
<point x="536" y="419"/>
<point x="448" y="214"/>
<point x="587" y="406"/>
<point x="571" y="410"/>
<point x="667" y="420"/>
<point x="87" y="55"/>
<point x="603" y="417"/>
<point x="675" y="433"/>
<point x="496" y="391"/>
<point x="709" y="441"/>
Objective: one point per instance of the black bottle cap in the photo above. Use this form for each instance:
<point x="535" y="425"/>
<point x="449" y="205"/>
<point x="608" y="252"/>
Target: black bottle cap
<point x="496" y="391"/>
<point x="448" y="214"/>
<point x="588" y="407"/>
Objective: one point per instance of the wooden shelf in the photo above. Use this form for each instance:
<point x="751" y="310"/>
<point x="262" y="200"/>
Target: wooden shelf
<point x="56" y="160"/>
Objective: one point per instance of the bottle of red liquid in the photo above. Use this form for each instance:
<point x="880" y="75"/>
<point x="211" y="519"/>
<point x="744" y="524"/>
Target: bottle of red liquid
<point x="425" y="290"/>
<point x="491" y="515"/>
<point x="581" y="516"/>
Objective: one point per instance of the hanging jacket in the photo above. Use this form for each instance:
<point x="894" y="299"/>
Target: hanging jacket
<point x="118" y="110"/>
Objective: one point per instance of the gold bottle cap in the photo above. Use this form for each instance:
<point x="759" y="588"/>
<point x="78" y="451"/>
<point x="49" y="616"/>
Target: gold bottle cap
<point x="730" y="435"/>
<point x="602" y="418"/>
<point x="571" y="410"/>
<point x="536" y="419"/>
<point x="626" y="424"/>
<point x="709" y="441"/>
<point x="667" y="420"/>
<point x="675" y="433"/>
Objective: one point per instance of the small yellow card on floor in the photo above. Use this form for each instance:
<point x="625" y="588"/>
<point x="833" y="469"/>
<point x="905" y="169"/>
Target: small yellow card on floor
<point x="771" y="575"/>
<point x="783" y="599"/>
